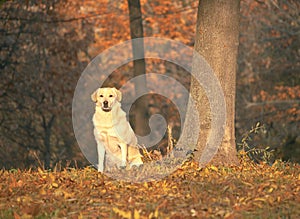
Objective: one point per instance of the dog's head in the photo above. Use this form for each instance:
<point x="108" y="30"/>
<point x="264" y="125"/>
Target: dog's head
<point x="106" y="98"/>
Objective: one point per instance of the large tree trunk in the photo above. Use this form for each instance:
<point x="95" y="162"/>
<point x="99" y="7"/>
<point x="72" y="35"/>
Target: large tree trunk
<point x="217" y="38"/>
<point x="136" y="31"/>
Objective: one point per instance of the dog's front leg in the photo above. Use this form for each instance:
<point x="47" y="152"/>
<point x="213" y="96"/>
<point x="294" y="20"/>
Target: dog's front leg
<point x="101" y="154"/>
<point x="124" y="148"/>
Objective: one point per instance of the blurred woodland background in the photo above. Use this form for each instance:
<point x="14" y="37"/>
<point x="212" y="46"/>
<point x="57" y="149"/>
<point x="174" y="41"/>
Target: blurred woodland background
<point x="45" y="46"/>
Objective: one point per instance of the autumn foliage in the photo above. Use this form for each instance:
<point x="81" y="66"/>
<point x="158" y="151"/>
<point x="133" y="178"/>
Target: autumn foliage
<point x="246" y="191"/>
<point x="45" y="45"/>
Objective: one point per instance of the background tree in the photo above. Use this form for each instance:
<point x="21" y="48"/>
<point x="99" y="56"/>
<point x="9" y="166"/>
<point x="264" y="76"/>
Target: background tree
<point x="140" y="123"/>
<point x="46" y="45"/>
<point x="268" y="76"/>
<point x="217" y="39"/>
<point x="39" y="68"/>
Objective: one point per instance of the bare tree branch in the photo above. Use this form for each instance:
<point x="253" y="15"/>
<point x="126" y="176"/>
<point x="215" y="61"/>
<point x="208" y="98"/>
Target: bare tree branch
<point x="254" y="104"/>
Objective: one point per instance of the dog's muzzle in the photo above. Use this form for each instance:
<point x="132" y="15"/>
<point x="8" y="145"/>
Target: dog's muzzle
<point x="105" y="106"/>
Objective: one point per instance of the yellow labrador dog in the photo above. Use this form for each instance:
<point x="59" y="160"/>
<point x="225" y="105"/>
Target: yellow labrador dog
<point x="114" y="135"/>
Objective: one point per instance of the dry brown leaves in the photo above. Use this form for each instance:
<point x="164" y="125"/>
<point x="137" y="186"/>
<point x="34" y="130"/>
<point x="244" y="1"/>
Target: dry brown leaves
<point x="248" y="190"/>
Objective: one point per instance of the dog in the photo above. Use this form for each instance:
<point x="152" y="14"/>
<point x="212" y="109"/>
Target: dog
<point x="115" y="138"/>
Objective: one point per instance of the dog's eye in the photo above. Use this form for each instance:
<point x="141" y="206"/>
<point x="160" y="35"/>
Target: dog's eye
<point x="101" y="95"/>
<point x="111" y="95"/>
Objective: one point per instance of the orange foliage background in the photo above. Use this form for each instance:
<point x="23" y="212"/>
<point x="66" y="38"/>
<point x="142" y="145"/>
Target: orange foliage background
<point x="46" y="46"/>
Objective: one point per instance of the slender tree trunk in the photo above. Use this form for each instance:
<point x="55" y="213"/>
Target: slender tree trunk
<point x="47" y="140"/>
<point x="217" y="38"/>
<point x="136" y="31"/>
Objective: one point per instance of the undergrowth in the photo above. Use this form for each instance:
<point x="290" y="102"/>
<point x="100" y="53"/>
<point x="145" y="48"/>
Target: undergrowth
<point x="257" y="153"/>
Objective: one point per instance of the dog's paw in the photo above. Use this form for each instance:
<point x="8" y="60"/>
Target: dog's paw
<point x="136" y="162"/>
<point x="136" y="165"/>
<point x="122" y="167"/>
<point x="100" y="168"/>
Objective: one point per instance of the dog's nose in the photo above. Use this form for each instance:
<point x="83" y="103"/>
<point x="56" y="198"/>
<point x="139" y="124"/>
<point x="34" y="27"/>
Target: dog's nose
<point x="105" y="103"/>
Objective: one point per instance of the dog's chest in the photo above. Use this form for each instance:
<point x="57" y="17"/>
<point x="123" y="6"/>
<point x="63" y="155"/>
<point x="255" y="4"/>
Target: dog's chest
<point x="110" y="119"/>
<point x="103" y="120"/>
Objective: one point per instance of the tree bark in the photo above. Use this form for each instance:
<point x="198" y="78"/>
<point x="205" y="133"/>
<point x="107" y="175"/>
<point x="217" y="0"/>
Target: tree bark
<point x="141" y="126"/>
<point x="217" y="38"/>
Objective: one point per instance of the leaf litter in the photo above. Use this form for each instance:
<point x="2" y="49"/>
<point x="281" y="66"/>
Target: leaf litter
<point x="246" y="191"/>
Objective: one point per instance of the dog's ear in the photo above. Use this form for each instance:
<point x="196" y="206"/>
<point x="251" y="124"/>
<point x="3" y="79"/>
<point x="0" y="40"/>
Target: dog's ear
<point x="94" y="96"/>
<point x="119" y="95"/>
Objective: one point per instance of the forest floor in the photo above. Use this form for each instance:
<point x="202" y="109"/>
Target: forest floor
<point x="245" y="191"/>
